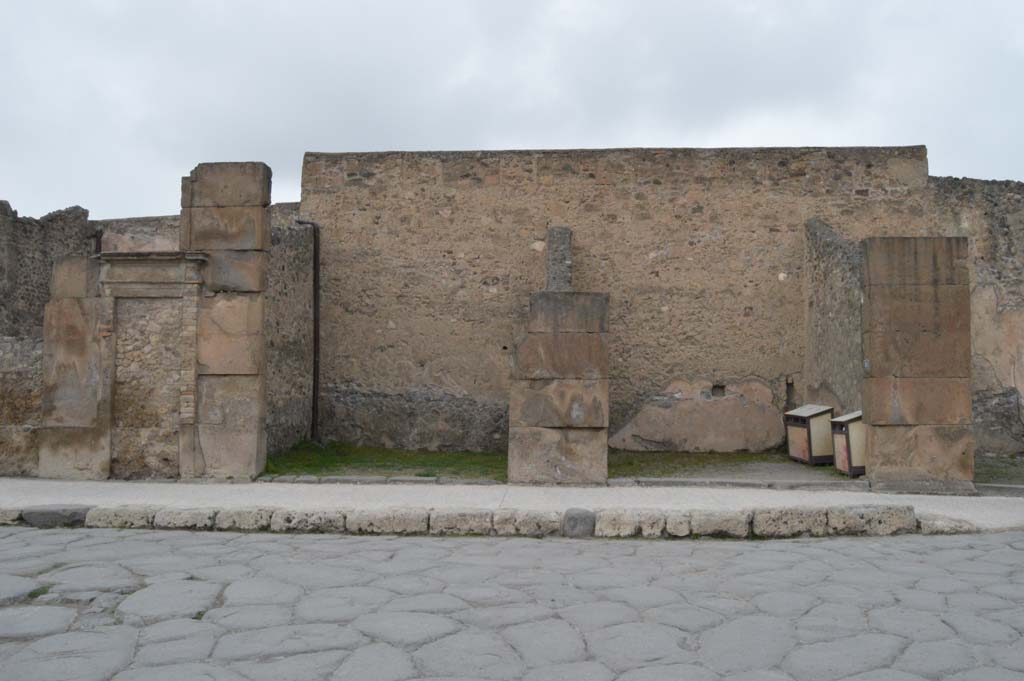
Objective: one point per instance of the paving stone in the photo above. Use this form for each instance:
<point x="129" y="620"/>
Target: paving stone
<point x="830" y="621"/>
<point x="525" y="523"/>
<point x="74" y="656"/>
<point x="588" y="617"/>
<point x="578" y="523"/>
<point x="616" y="522"/>
<point x="670" y="672"/>
<point x="376" y="662"/>
<point x="123" y="517"/>
<point x="55" y="515"/>
<point x="427" y="603"/>
<point x="342" y="604"/>
<point x="170" y="630"/>
<point x="785" y="603"/>
<point x="244" y="519"/>
<point x="286" y="640"/>
<point x="180" y="672"/>
<point x="871" y="520"/>
<point x="473" y="654"/>
<point x="461" y="521"/>
<point x="90" y="578"/>
<point x="976" y="629"/>
<point x="249" y="616"/>
<point x="912" y="624"/>
<point x="389" y="521"/>
<point x="167" y="600"/>
<point x="184" y="518"/>
<point x="302" y="667"/>
<point x="13" y="588"/>
<point x="735" y="524"/>
<point x="405" y="628"/>
<point x="503" y="615"/>
<point x="33" y="621"/>
<point x="838" y="659"/>
<point x="643" y="597"/>
<point x="573" y="671"/>
<point x="778" y="523"/>
<point x="546" y="642"/>
<point x="260" y="592"/>
<point x="323" y="520"/>
<point x="746" y="643"/>
<point x="626" y="646"/>
<point x="677" y="524"/>
<point x="936" y="659"/>
<point x="175" y="651"/>
<point x="686" y="617"/>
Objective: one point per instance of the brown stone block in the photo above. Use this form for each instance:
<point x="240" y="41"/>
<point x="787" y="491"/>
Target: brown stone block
<point x="917" y="309"/>
<point x="236" y="401"/>
<point x="230" y="184"/>
<point x="74" y="453"/>
<point x="921" y="355"/>
<point x="232" y="452"/>
<point x="559" y="403"/>
<point x="230" y="334"/>
<point x="558" y="455"/>
<point x="917" y="401"/>
<point x="238" y="228"/>
<point x="75" y="276"/>
<point x="72" y="362"/>
<point x="236" y="271"/>
<point x="916" y="261"/>
<point x="905" y="453"/>
<point x="562" y="355"/>
<point x="568" y="312"/>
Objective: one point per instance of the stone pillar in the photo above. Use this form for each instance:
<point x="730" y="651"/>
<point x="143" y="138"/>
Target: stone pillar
<point x="74" y="439"/>
<point x="225" y="214"/>
<point x="917" y="364"/>
<point x="558" y="406"/>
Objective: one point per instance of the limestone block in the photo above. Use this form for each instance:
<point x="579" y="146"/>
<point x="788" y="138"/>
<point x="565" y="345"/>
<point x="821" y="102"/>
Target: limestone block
<point x="184" y="518"/>
<point x="562" y="355"/>
<point x="121" y="517"/>
<point x="928" y="452"/>
<point x="578" y="523"/>
<point x="790" y="522"/>
<point x="525" y="523"/>
<point x="237" y="401"/>
<point x="558" y="455"/>
<point x="930" y="523"/>
<point x="734" y="524"/>
<point x="139" y="270"/>
<point x="921" y="355"/>
<point x="677" y="524"/>
<point x="229" y="184"/>
<point x="10" y="516"/>
<point x="55" y="515"/>
<point x="916" y="309"/>
<point x="567" y="312"/>
<point x="317" y="520"/>
<point x="231" y="434"/>
<point x="244" y="519"/>
<point x="75" y="276"/>
<point x="230" y="334"/>
<point x="388" y="521"/>
<point x="73" y="348"/>
<point x="652" y="523"/>
<point x="616" y="522"/>
<point x="237" y="228"/>
<point x="236" y="271"/>
<point x="559" y="403"/>
<point x="917" y="401"/>
<point x="229" y="452"/>
<point x="74" y="453"/>
<point x="916" y="261"/>
<point x="690" y="416"/>
<point x="882" y="520"/>
<point x="460" y="521"/>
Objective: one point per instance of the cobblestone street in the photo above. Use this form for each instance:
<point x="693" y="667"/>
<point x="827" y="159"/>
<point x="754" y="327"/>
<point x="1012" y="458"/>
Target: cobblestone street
<point x="160" y="605"/>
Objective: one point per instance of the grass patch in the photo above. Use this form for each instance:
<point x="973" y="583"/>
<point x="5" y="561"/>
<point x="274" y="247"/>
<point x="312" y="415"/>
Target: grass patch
<point x="335" y="458"/>
<point x="1008" y="470"/>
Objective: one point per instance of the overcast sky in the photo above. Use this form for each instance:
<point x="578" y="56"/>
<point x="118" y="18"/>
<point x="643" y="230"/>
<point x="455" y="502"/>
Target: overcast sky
<point x="107" y="104"/>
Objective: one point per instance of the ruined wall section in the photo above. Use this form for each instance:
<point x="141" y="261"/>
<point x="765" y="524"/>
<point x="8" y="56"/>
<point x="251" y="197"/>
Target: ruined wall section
<point x="991" y="213"/>
<point x="429" y="259"/>
<point x="21" y="406"/>
<point x="288" y="328"/>
<point x="132" y="235"/>
<point x="833" y="362"/>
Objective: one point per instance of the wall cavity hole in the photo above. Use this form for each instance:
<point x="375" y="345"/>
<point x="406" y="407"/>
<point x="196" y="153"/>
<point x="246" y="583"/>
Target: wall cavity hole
<point x="718" y="390"/>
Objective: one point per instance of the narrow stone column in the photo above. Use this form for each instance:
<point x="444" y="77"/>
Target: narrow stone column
<point x="225" y="215"/>
<point x="558" y="406"/>
<point x="917" y="364"/>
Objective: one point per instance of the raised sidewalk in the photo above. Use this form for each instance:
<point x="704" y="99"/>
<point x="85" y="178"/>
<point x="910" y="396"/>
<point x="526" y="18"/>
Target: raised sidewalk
<point x="616" y="507"/>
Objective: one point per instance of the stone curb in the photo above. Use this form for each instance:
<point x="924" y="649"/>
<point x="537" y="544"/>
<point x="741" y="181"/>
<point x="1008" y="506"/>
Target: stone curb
<point x="762" y="523"/>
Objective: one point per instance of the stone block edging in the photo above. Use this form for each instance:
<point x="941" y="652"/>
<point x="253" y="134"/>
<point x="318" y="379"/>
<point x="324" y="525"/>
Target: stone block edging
<point x="760" y="523"/>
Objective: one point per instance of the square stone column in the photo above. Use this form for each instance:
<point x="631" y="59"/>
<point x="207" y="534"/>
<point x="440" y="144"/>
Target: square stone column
<point x="558" y="406"/>
<point x="917" y="364"/>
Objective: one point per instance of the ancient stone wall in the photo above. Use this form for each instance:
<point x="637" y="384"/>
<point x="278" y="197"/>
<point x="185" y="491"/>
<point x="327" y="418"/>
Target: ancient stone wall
<point x="127" y="235"/>
<point x="288" y="328"/>
<point x="21" y="403"/>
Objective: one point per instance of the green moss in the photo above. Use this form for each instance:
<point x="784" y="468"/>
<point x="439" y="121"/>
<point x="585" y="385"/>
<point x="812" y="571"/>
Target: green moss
<point x="1008" y="470"/>
<point x="38" y="591"/>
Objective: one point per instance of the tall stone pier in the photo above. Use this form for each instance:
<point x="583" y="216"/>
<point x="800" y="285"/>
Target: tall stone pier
<point x="558" y="406"/>
<point x="917" y="364"/>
